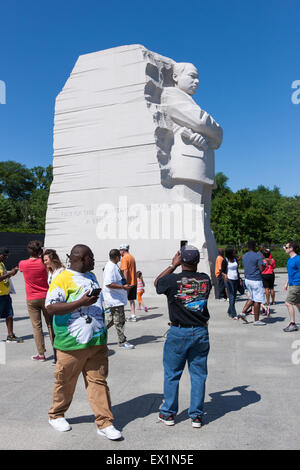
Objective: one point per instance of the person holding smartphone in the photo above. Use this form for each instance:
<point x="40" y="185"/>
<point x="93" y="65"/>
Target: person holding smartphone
<point x="188" y="338"/>
<point x="80" y="341"/>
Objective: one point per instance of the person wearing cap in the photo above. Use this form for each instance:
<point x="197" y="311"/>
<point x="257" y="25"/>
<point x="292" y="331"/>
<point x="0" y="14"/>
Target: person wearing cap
<point x="187" y="339"/>
<point x="128" y="268"/>
<point x="6" y="309"/>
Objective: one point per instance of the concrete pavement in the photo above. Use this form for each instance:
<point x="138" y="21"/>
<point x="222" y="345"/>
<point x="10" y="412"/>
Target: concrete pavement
<point x="251" y="399"/>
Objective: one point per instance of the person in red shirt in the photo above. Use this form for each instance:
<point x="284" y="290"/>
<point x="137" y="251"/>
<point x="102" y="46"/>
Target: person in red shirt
<point x="268" y="277"/>
<point x="36" y="287"/>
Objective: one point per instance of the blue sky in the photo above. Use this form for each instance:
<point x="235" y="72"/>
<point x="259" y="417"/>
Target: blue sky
<point x="247" y="53"/>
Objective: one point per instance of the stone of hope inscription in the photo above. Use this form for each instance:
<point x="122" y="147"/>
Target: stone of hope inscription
<point x="133" y="160"/>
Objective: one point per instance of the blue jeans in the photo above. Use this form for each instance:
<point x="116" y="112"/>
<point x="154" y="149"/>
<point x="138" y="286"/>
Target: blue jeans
<point x="232" y="286"/>
<point x="183" y="345"/>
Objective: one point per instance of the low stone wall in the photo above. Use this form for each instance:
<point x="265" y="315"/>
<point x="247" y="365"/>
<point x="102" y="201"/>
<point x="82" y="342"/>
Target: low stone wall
<point x="16" y="243"/>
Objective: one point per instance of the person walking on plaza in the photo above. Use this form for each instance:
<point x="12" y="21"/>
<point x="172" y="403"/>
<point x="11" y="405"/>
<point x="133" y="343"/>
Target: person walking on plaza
<point x="268" y="278"/>
<point x="140" y="291"/>
<point x="187" y="339"/>
<point x="128" y="268"/>
<point x="75" y="300"/>
<point x="221" y="290"/>
<point x="253" y="267"/>
<point x="115" y="297"/>
<point x="292" y="284"/>
<point x="6" y="309"/>
<point x="54" y="266"/>
<point x="36" y="288"/>
<point x="231" y="279"/>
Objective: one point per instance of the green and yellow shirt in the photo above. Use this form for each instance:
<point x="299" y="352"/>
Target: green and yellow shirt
<point x="85" y="326"/>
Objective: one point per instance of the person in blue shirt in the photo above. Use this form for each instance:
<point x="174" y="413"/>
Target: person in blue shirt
<point x="253" y="267"/>
<point x="292" y="284"/>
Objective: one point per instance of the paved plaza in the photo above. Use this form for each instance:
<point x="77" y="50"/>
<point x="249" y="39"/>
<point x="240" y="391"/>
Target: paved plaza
<point x="251" y="399"/>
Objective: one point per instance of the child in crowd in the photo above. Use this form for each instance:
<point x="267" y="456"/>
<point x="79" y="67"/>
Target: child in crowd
<point x="140" y="291"/>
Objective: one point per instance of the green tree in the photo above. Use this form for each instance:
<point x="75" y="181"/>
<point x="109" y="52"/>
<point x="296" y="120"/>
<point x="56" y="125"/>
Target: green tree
<point x="286" y="220"/>
<point x="16" y="181"/>
<point x="238" y="217"/>
<point x="42" y="177"/>
<point x="222" y="187"/>
<point x="8" y="214"/>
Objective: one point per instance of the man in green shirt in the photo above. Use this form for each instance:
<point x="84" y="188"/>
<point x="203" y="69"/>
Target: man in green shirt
<point x="80" y="340"/>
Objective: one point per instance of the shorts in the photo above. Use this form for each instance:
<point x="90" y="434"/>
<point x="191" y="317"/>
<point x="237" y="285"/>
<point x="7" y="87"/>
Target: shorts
<point x="6" y="310"/>
<point x="139" y="296"/>
<point x="268" y="281"/>
<point x="256" y="290"/>
<point x="132" y="293"/>
<point x="293" y="296"/>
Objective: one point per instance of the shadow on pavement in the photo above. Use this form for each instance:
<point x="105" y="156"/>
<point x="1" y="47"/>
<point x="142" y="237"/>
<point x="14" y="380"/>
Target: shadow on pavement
<point x="145" y="339"/>
<point x="130" y="410"/>
<point x="138" y="407"/>
<point x="271" y="319"/>
<point x="224" y="402"/>
<point x="149" y="317"/>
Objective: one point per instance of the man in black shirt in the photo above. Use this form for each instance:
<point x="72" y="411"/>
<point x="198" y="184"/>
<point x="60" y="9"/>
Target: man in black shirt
<point x="187" y="340"/>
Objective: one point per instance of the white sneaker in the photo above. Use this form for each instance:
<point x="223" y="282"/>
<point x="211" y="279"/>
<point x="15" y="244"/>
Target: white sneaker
<point x="110" y="432"/>
<point x="127" y="345"/>
<point x="259" y="323"/>
<point x="60" y="424"/>
<point x="132" y="318"/>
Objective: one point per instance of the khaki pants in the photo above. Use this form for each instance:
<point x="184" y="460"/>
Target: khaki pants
<point x="35" y="308"/>
<point x="93" y="363"/>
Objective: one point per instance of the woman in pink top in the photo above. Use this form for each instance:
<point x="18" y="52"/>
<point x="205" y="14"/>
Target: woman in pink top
<point x="36" y="287"/>
<point x="268" y="278"/>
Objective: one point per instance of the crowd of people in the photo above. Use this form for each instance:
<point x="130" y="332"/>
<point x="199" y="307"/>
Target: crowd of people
<point x="259" y="281"/>
<point x="78" y="315"/>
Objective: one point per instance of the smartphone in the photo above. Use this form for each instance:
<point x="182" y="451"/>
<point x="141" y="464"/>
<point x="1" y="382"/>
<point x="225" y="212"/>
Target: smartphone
<point x="94" y="293"/>
<point x="183" y="243"/>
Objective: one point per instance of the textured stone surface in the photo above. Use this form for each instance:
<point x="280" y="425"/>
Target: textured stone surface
<point x="115" y="178"/>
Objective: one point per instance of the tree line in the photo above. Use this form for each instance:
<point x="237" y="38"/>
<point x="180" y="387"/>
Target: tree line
<point x="263" y="214"/>
<point x="24" y="196"/>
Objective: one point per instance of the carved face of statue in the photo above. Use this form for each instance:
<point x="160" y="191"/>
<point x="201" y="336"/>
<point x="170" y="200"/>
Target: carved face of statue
<point x="188" y="79"/>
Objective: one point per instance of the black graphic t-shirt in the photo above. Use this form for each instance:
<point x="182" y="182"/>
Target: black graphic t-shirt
<point x="187" y="294"/>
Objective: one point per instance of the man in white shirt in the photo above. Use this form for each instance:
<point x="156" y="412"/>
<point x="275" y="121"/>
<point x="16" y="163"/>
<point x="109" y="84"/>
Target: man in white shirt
<point x="115" y="296"/>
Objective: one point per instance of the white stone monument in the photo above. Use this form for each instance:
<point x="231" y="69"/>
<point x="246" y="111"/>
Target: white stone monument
<point x="133" y="161"/>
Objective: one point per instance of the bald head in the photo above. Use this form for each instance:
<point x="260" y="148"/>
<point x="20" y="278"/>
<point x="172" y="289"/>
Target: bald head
<point x="81" y="258"/>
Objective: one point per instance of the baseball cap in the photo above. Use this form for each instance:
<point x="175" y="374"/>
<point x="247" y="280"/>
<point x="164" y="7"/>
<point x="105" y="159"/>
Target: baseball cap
<point x="4" y="250"/>
<point x="190" y="254"/>
<point x="124" y="246"/>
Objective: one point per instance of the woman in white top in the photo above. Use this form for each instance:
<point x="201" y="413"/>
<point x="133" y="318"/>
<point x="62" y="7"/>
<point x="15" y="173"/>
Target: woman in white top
<point x="54" y="266"/>
<point x="231" y="278"/>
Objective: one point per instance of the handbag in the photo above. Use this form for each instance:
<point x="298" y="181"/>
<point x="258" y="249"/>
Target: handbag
<point x="241" y="286"/>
